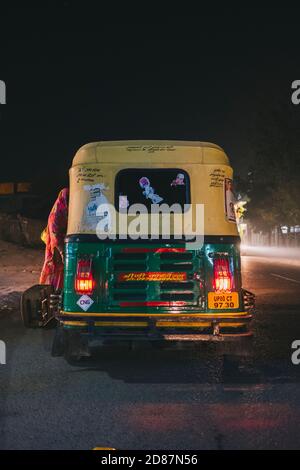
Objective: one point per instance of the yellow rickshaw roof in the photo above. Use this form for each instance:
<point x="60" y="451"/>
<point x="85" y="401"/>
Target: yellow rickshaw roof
<point x="174" y="151"/>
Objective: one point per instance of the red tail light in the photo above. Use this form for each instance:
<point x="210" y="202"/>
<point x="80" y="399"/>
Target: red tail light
<point x="223" y="280"/>
<point x="84" y="281"/>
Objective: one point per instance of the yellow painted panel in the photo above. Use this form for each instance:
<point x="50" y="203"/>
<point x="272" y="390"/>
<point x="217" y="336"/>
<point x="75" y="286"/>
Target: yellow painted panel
<point x="99" y="163"/>
<point x="124" y="323"/>
<point x="160" y="324"/>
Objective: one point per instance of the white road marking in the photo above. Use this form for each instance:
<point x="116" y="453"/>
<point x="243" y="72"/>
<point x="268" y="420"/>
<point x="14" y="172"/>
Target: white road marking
<point x="285" y="278"/>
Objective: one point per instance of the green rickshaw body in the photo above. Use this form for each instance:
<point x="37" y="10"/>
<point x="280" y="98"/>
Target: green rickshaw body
<point x="156" y="289"/>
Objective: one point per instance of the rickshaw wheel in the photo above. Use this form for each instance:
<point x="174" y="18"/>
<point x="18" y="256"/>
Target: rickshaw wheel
<point x="58" y="345"/>
<point x="72" y="345"/>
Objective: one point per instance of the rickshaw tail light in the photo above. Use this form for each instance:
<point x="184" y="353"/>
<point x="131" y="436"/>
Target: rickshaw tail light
<point x="223" y="280"/>
<point x="84" y="281"/>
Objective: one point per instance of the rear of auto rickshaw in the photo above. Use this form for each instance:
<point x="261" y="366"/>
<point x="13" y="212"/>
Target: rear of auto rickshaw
<point x="155" y="287"/>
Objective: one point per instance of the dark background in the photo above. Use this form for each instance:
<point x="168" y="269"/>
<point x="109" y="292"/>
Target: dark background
<point x="76" y="72"/>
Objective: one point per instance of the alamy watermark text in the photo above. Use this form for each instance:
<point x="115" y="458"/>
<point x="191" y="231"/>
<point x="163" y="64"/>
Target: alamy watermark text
<point x="2" y="92"/>
<point x="2" y="353"/>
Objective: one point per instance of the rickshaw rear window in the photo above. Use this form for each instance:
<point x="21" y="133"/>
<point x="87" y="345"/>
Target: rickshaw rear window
<point x="152" y="186"/>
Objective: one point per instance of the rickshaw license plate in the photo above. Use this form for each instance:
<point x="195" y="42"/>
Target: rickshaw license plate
<point x="223" y="301"/>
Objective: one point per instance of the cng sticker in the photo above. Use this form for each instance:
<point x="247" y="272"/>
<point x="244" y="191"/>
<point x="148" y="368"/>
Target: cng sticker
<point x="85" y="302"/>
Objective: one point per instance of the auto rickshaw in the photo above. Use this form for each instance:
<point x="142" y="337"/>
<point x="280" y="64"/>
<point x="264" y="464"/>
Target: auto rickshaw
<point x="156" y="288"/>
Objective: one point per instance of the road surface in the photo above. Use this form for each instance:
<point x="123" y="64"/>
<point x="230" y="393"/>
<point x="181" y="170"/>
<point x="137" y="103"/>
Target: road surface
<point x="157" y="399"/>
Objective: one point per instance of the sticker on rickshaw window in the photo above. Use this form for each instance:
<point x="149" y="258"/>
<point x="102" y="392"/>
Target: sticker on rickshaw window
<point x="219" y="301"/>
<point x="148" y="191"/>
<point x="179" y="181"/>
<point x="230" y="200"/>
<point x="123" y="202"/>
<point x="153" y="276"/>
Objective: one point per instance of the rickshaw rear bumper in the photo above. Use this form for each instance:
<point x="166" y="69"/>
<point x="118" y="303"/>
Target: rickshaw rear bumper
<point x="215" y="328"/>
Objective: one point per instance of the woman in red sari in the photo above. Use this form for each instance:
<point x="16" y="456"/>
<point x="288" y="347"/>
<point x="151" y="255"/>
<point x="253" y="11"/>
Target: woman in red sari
<point x="53" y="236"/>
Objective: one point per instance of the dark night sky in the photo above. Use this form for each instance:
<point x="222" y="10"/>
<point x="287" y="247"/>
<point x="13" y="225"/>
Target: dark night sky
<point x="78" y="74"/>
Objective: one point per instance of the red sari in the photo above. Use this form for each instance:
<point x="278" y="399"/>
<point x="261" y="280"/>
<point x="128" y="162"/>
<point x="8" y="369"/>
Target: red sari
<point x="53" y="236"/>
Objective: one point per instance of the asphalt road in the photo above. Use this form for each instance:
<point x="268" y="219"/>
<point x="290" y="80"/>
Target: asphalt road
<point x="158" y="399"/>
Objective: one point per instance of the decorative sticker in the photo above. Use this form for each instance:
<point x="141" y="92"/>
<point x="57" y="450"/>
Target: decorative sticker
<point x="179" y="181"/>
<point x="153" y="276"/>
<point x="123" y="202"/>
<point x="149" y="191"/>
<point x="85" y="302"/>
<point x="96" y="199"/>
<point x="230" y="200"/>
